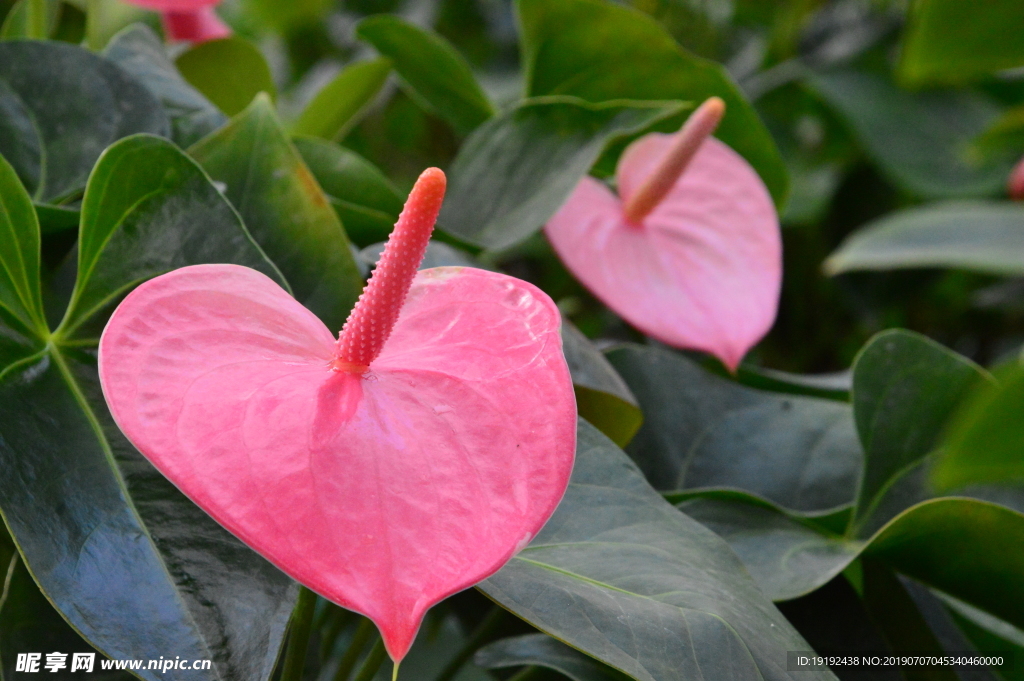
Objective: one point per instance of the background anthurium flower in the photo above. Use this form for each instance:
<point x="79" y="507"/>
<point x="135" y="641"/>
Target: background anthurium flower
<point x="387" y="470"/>
<point x="690" y="251"/>
<point x="191" y="20"/>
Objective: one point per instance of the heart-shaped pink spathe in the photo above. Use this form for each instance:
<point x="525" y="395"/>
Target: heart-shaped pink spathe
<point x="385" y="489"/>
<point x="702" y="269"/>
<point x="188" y="20"/>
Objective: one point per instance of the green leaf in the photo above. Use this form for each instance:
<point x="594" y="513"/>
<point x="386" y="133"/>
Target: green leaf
<point x="922" y="142"/>
<point x="980" y="236"/>
<point x="701" y="431"/>
<point x="149" y="209"/>
<point x="602" y="397"/>
<point x="56" y="218"/>
<point x="20" y="293"/>
<point x="543" y="651"/>
<point x="284" y="209"/>
<point x="989" y="635"/>
<point x="905" y="389"/>
<point x="986" y="437"/>
<point x="516" y="169"/>
<point x="947" y="41"/>
<point x="599" y="50"/>
<point x="18" y="23"/>
<point x="109" y="540"/>
<point x="60" y="107"/>
<point x="139" y="51"/>
<point x="230" y="72"/>
<point x="439" y="78"/>
<point x="629" y="580"/>
<point x="339" y="104"/>
<point x="362" y="196"/>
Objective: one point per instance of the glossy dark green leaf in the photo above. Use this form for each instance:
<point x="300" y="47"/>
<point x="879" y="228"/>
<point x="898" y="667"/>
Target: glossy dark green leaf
<point x="543" y="651"/>
<point x="621" y="575"/>
<point x="703" y="431"/>
<point x="60" y="107"/>
<point x="139" y="51"/>
<point x="905" y="389"/>
<point x="362" y="196"/>
<point x="599" y="50"/>
<point x="986" y="438"/>
<point x="20" y="293"/>
<point x="922" y="141"/>
<point x="338" y="105"/>
<point x="947" y="41"/>
<point x="284" y="209"/>
<point x="229" y="72"/>
<point x="990" y="635"/>
<point x="437" y="75"/>
<point x="980" y="236"/>
<point x="835" y="385"/>
<point x="602" y="397"/>
<point x="516" y="169"/>
<point x="130" y="562"/>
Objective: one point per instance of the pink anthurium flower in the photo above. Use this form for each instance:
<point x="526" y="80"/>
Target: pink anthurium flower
<point x="690" y="251"/>
<point x="407" y="460"/>
<point x="188" y="20"/>
<point x="1015" y="182"/>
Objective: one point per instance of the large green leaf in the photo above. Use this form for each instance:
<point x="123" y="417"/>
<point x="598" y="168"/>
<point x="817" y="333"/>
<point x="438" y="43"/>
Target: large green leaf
<point x="905" y="389"/>
<point x="284" y="209"/>
<point x="602" y="397"/>
<point x="701" y="431"/>
<point x="622" y="576"/>
<point x="437" y="75"/>
<point x="230" y="72"/>
<point x="543" y="651"/>
<point x="599" y="50"/>
<point x="139" y="51"/>
<point x="127" y="560"/>
<point x="950" y="41"/>
<point x="985" y="441"/>
<point x="20" y="293"/>
<point x="517" y="169"/>
<point x="60" y="107"/>
<point x="336" y="108"/>
<point x="362" y="196"/>
<point x="922" y="141"/>
<point x="980" y="236"/>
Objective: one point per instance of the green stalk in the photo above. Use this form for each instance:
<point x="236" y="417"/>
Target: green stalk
<point x="359" y="639"/>
<point x="94" y="20"/>
<point x="480" y="635"/>
<point x="372" y="662"/>
<point x="298" y="635"/>
<point x="38" y="20"/>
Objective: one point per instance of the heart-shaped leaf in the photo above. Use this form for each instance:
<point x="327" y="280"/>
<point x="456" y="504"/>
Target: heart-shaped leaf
<point x="284" y="209"/>
<point x="60" y="107"/>
<point x="703" y="431"/>
<point x="975" y="235"/>
<point x="139" y="51"/>
<point x="629" y="580"/>
<point x="437" y="75"/>
<point x="516" y="169"/>
<point x="338" y="105"/>
<point x="600" y="50"/>
<point x="386" y="492"/>
<point x="362" y="196"/>
<point x="109" y="540"/>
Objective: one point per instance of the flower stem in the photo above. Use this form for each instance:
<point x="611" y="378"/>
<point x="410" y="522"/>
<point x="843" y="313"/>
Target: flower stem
<point x="38" y="19"/>
<point x="298" y="635"/>
<point x="372" y="663"/>
<point x="375" y="314"/>
<point x="359" y="639"/>
<point x="698" y="127"/>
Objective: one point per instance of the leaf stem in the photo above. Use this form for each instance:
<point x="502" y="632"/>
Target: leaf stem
<point x="483" y="631"/>
<point x="359" y="639"/>
<point x="298" y="636"/>
<point x="372" y="662"/>
<point x="38" y="20"/>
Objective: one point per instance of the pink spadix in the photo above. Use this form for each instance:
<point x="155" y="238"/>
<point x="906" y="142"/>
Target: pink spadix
<point x="188" y="20"/>
<point x="407" y="460"/>
<point x="690" y="251"/>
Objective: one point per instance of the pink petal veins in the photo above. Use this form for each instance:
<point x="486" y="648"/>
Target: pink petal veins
<point x="704" y="268"/>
